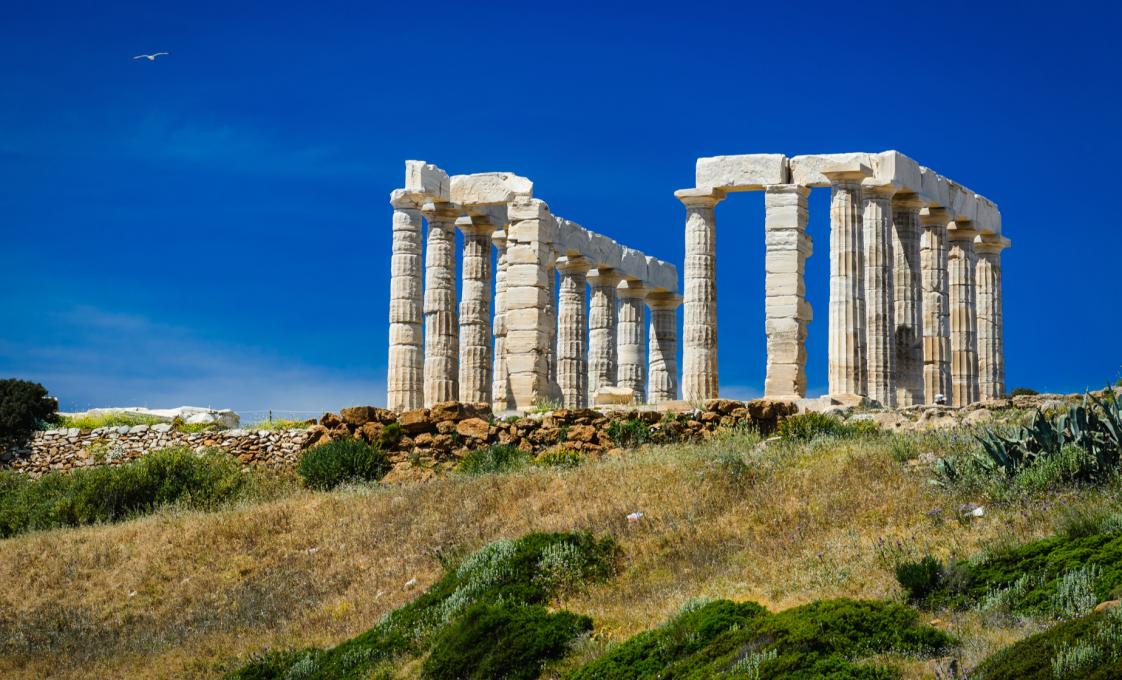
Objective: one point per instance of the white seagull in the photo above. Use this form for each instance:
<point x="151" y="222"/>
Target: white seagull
<point x="150" y="57"/>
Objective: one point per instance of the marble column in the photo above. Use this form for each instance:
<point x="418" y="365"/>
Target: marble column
<point x="846" y="360"/>
<point x="602" y="370"/>
<point x="529" y="252"/>
<point x="663" y="357"/>
<point x="441" y="326"/>
<point x="406" y="366"/>
<point x="988" y="312"/>
<point x="572" y="319"/>
<point x="961" y="262"/>
<point x="880" y="309"/>
<point x="936" y="304"/>
<point x="631" y="339"/>
<point x="554" y="393"/>
<point x="699" y="355"/>
<point x="907" y="298"/>
<point x="499" y="395"/>
<point x="475" y="310"/>
<point x="787" y="313"/>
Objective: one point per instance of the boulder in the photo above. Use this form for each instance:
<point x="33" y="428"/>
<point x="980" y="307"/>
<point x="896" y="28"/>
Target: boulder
<point x="474" y="428"/>
<point x="359" y="415"/>
<point x="415" y="421"/>
<point x="446" y="410"/>
<point x="614" y="396"/>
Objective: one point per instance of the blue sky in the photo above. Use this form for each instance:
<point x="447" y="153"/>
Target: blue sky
<point x="213" y="228"/>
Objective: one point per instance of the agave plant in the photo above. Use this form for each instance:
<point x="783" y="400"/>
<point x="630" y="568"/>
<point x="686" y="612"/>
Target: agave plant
<point x="1094" y="426"/>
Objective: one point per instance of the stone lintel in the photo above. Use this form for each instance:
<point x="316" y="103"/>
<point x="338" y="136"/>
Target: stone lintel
<point x="747" y="172"/>
<point x="489" y="188"/>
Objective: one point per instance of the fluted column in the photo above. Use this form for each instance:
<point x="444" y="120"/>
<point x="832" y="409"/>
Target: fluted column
<point x="663" y="356"/>
<point x="406" y="366"/>
<point x="499" y="394"/>
<point x="908" y="301"/>
<point x="988" y="312"/>
<point x="551" y="328"/>
<point x="475" y="310"/>
<point x="846" y="362"/>
<point x="441" y="327"/>
<point x="631" y="350"/>
<point x="572" y="352"/>
<point x="880" y="327"/>
<point x="601" y="330"/>
<point x="964" y="334"/>
<point x="786" y="310"/>
<point x="936" y="304"/>
<point x="699" y="355"/>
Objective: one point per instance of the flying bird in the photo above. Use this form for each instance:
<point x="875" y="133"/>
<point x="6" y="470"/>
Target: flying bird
<point x="150" y="57"/>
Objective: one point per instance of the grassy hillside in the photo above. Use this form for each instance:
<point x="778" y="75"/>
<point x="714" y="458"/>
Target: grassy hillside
<point x="193" y="594"/>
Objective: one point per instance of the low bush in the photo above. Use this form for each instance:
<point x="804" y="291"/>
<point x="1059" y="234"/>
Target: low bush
<point x="508" y="575"/>
<point x="1086" y="648"/>
<point x="342" y="460"/>
<point x="629" y="433"/>
<point x="495" y="458"/>
<point x="919" y="579"/>
<point x="823" y="639"/>
<point x="1056" y="577"/>
<point x="502" y="641"/>
<point x="114" y="493"/>
<point x="390" y="436"/>
<point x="559" y="457"/>
<point x="807" y="426"/>
<point x="1023" y="392"/>
<point x="24" y="407"/>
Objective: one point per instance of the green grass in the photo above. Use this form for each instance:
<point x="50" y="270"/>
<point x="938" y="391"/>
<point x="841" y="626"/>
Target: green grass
<point x="117" y="419"/>
<point x="279" y="424"/>
<point x="113" y="493"/>
<point x="492" y="459"/>
<point x="517" y="577"/>
<point x="807" y="426"/>
<point x="824" y="639"/>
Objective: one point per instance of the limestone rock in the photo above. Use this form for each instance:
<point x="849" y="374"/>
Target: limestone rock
<point x="474" y="428"/>
<point x="609" y="395"/>
<point x="415" y="421"/>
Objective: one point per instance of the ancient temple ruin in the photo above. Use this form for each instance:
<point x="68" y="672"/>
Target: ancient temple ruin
<point x="542" y="339"/>
<point x="915" y="290"/>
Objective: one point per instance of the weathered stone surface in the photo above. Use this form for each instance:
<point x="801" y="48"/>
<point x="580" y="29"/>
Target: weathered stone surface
<point x="426" y="179"/>
<point x="748" y="172"/>
<point x="475" y="428"/>
<point x="415" y="421"/>
<point x="489" y="187"/>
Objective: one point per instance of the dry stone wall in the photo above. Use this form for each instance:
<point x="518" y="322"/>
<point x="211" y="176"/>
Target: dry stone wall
<point x="69" y="449"/>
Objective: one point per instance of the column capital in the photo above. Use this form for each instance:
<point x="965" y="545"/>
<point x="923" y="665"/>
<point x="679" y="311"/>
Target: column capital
<point x="846" y="173"/>
<point x="474" y="225"/>
<point x="907" y="200"/>
<point x="402" y="199"/>
<point x="798" y="189"/>
<point x="664" y="301"/>
<point x="878" y="189"/>
<point x="700" y="198"/>
<point x="631" y="288"/>
<point x="934" y="216"/>
<point x="603" y="276"/>
<point x="991" y="243"/>
<point x="572" y="265"/>
<point x="961" y="231"/>
<point x="440" y="211"/>
<point x="498" y="237"/>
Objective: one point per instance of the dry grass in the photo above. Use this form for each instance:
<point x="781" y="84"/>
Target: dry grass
<point x="191" y="594"/>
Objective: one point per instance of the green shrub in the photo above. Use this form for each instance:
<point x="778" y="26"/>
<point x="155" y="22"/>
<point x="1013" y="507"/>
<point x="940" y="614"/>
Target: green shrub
<point x="1058" y="576"/>
<point x="807" y="426"/>
<point x="495" y="458"/>
<point x="824" y="639"/>
<point x="113" y="493"/>
<point x="629" y="433"/>
<point x="342" y="460"/>
<point x="24" y="406"/>
<point x="528" y="572"/>
<point x="1086" y="648"/>
<point x="1023" y="392"/>
<point x="559" y="457"/>
<point x="288" y="664"/>
<point x="109" y="419"/>
<point x="502" y="641"/>
<point x="390" y="436"/>
<point x="919" y="579"/>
